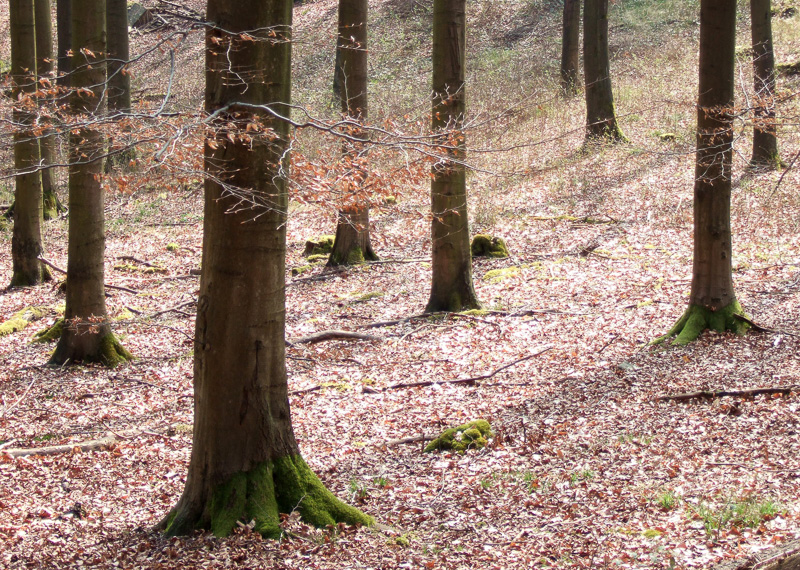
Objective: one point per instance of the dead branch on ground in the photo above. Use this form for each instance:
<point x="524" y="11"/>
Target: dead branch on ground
<point x="331" y="335"/>
<point x="712" y="394"/>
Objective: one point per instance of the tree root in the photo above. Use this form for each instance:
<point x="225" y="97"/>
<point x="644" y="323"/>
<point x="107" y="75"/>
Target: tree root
<point x="712" y="394"/>
<point x="697" y="319"/>
<point x="261" y="495"/>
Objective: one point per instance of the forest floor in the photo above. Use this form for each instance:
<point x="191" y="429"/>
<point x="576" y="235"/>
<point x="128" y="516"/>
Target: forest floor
<point x="588" y="467"/>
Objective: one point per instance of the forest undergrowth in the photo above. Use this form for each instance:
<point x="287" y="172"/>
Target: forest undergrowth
<point x="588" y="466"/>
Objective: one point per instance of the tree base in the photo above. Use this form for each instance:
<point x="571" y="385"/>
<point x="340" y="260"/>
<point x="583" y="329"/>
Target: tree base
<point x="697" y="319"/>
<point x="38" y="276"/>
<point x="353" y="256"/>
<point x="260" y="495"/>
<point x="107" y="350"/>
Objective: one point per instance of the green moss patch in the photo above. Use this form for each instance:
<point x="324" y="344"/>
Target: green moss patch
<point x="319" y="245"/>
<point x="471" y="435"/>
<point x="697" y="319"/>
<point x="50" y="334"/>
<point x="497" y="275"/>
<point x="300" y="270"/>
<point x="21" y="319"/>
<point x="317" y="258"/>
<point x="488" y="246"/>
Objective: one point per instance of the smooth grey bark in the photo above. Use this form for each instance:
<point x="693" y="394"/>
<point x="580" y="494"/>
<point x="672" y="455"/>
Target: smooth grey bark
<point x="765" y="139"/>
<point x="451" y="284"/>
<point x="87" y="333"/>
<point x="352" y="243"/>
<point x="64" y="40"/>
<point x="570" y="47"/>
<point x="245" y="462"/>
<point x="601" y="120"/>
<point x="26" y="240"/>
<point x="119" y="81"/>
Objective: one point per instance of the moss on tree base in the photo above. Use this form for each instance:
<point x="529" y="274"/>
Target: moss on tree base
<point x="697" y="319"/>
<point x="109" y="351"/>
<point x="260" y="495"/>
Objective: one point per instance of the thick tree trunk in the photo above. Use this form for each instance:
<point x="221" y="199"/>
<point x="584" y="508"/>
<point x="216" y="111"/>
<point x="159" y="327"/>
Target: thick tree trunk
<point x="765" y="140"/>
<point x="245" y="462"/>
<point x="64" y="41"/>
<point x="44" y="70"/>
<point x="26" y="241"/>
<point x="87" y="334"/>
<point x="570" y="47"/>
<point x="601" y="121"/>
<point x="352" y="244"/>
<point x="451" y="286"/>
<point x="712" y="302"/>
<point x="119" y="81"/>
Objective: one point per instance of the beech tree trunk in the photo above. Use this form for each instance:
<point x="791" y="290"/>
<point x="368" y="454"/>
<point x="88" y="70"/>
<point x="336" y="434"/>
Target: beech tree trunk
<point x="451" y="285"/>
<point x="87" y="334"/>
<point x="352" y="243"/>
<point x="26" y="241"/>
<point x="64" y="40"/>
<point x="245" y="462"/>
<point x="45" y="67"/>
<point x="765" y="140"/>
<point x="119" y="82"/>
<point x="570" y="47"/>
<point x="712" y="302"/>
<point x="601" y="121"/>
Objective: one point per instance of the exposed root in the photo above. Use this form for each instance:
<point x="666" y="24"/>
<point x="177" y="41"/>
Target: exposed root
<point x="697" y="319"/>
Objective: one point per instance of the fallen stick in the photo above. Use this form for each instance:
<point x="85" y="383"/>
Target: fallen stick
<point x="57" y="268"/>
<point x="783" y="557"/>
<point x="412" y="439"/>
<point x="175" y="308"/>
<point x="137" y="260"/>
<point x="712" y="394"/>
<point x="57" y="449"/>
<point x="331" y="335"/>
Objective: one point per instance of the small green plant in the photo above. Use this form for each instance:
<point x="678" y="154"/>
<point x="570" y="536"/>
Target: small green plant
<point x="666" y="500"/>
<point x="581" y="475"/>
<point x="486" y="483"/>
<point x="357" y="490"/>
<point x="748" y="512"/>
<point x="381" y="482"/>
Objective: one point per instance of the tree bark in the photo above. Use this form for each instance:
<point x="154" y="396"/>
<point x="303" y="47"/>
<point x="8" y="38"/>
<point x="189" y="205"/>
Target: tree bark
<point x="712" y="301"/>
<point x="352" y="243"/>
<point x="26" y="241"/>
<point x="451" y="285"/>
<point x="601" y="121"/>
<point x="245" y="462"/>
<point x="765" y="140"/>
<point x="64" y="41"/>
<point x="119" y="81"/>
<point x="87" y="334"/>
<point x="45" y="71"/>
<point x="570" y="47"/>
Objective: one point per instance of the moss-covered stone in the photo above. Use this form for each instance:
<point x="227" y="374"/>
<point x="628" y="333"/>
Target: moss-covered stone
<point x="50" y="334"/>
<point x="369" y="296"/>
<point x="300" y="270"/>
<point x="475" y="313"/>
<point x="471" y="435"/>
<point x="261" y="494"/>
<point x="317" y="258"/>
<point x="497" y="275"/>
<point x="488" y="246"/>
<point x="319" y="245"/>
<point x="696" y="319"/>
<point x="666" y="137"/>
<point x="173" y="247"/>
<point x="21" y="319"/>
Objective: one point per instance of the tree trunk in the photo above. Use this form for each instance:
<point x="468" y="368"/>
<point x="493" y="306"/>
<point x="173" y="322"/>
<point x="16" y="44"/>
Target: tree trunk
<point x="64" y="42"/>
<point x="601" y="122"/>
<point x="352" y="244"/>
<point x="765" y="140"/>
<point x="44" y="70"/>
<point x="712" y="302"/>
<point x="451" y="286"/>
<point x="570" y="47"/>
<point x="26" y="241"/>
<point x="87" y="334"/>
<point x="245" y="462"/>
<point x="119" y="81"/>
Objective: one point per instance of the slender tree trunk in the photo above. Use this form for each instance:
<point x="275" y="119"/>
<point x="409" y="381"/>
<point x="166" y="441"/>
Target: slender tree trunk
<point x="352" y="243"/>
<point x="451" y="286"/>
<point x="87" y="334"/>
<point x="64" y="43"/>
<point x="245" y="462"/>
<point x="44" y="69"/>
<point x="26" y="241"/>
<point x="712" y="302"/>
<point x="119" y="81"/>
<point x="601" y="121"/>
<point x="570" y="47"/>
<point x="765" y="140"/>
